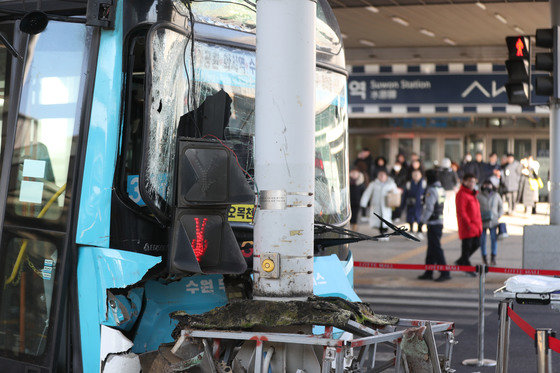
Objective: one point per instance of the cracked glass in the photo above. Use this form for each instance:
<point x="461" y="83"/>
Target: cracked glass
<point x="213" y="68"/>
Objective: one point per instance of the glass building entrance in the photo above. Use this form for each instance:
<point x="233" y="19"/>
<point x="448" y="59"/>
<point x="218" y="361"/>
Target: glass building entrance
<point x="436" y="138"/>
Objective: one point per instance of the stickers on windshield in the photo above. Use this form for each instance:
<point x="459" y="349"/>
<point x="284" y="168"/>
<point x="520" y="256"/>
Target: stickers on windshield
<point x="133" y="190"/>
<point x="48" y="269"/>
<point x="33" y="168"/>
<point x="31" y="191"/>
<point x="241" y="213"/>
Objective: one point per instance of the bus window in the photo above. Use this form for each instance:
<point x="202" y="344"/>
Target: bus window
<point x="213" y="68"/>
<point x="129" y="163"/>
<point x="27" y="295"/>
<point x="168" y="98"/>
<point x="331" y="148"/>
<point x="48" y="106"/>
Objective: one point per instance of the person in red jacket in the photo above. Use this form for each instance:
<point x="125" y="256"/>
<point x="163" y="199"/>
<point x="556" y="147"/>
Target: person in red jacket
<point x="468" y="219"/>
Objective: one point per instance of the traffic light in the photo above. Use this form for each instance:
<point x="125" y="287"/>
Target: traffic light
<point x="518" y="67"/>
<point x="546" y="61"/>
<point x="208" y="180"/>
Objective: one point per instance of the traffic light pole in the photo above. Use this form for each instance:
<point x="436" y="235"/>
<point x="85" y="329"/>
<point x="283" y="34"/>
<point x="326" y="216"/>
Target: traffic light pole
<point x="284" y="149"/>
<point x="554" y="195"/>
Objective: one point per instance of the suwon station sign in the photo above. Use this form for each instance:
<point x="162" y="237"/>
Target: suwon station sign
<point x="386" y="92"/>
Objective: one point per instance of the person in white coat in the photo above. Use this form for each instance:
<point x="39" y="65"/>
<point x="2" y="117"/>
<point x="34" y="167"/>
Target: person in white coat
<point x="375" y="195"/>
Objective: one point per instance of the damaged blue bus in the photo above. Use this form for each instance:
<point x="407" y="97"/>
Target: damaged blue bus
<point x="93" y="96"/>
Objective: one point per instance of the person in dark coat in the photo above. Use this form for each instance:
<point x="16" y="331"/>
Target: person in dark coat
<point x="415" y="164"/>
<point x="468" y="219"/>
<point x="432" y="216"/>
<point x="511" y="175"/>
<point x="475" y="167"/>
<point x="492" y="168"/>
<point x="380" y="164"/>
<point x="466" y="160"/>
<point x="402" y="160"/>
<point x="412" y="201"/>
<point x="357" y="187"/>
<point x="399" y="174"/>
<point x="364" y="157"/>
<point x="362" y="166"/>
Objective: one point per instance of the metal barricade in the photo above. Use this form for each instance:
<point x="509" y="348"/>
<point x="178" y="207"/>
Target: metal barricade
<point x="544" y="363"/>
<point x="480" y="361"/>
<point x="503" y="337"/>
<point x="361" y="350"/>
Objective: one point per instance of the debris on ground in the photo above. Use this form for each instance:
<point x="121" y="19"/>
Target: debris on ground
<point x="248" y="314"/>
<point x="416" y="351"/>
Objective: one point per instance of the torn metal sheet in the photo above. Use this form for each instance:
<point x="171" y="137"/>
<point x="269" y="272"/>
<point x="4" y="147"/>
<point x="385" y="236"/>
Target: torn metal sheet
<point x="100" y="269"/>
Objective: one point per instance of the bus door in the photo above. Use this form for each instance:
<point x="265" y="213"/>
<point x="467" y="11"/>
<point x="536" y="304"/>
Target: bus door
<point x="42" y="106"/>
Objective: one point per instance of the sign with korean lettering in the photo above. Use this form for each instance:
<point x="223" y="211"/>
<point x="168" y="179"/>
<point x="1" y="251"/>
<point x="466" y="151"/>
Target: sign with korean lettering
<point x="241" y="213"/>
<point x="204" y="285"/>
<point x="437" y="88"/>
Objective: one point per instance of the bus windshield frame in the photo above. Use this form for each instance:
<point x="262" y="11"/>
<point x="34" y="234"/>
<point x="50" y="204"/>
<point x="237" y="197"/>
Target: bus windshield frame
<point x="231" y="68"/>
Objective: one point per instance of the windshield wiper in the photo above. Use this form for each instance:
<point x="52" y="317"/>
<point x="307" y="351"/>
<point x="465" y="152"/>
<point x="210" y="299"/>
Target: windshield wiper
<point x="347" y="236"/>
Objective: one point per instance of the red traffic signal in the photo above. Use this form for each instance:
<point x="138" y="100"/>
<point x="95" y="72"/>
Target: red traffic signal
<point x="518" y="47"/>
<point x="202" y="241"/>
<point x="518" y="65"/>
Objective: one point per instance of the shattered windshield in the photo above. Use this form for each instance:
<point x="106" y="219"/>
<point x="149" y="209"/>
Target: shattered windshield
<point x="216" y="67"/>
<point x="242" y="15"/>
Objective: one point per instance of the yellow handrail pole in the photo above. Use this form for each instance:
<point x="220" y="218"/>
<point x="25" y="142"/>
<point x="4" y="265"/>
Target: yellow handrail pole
<point x="24" y="244"/>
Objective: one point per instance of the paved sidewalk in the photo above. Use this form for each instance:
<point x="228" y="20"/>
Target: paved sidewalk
<point x="401" y="250"/>
<point x="400" y="293"/>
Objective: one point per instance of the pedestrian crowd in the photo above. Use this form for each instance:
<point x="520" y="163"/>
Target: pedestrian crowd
<point x="471" y="195"/>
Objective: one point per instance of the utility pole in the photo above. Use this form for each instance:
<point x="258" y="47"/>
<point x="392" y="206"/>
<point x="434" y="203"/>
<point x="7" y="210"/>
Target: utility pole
<point x="540" y="242"/>
<point x="554" y="196"/>
<point x="284" y="149"/>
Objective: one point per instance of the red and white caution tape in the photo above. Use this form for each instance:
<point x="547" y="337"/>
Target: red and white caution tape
<point x="428" y="267"/>
<point x="521" y="271"/>
<point x="456" y="268"/>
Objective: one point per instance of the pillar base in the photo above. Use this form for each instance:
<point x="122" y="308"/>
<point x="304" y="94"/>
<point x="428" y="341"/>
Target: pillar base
<point x="540" y="247"/>
<point x="479" y="363"/>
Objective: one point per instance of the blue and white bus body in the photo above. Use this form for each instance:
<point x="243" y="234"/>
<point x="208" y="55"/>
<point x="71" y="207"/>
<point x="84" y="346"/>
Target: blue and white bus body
<point x="69" y="271"/>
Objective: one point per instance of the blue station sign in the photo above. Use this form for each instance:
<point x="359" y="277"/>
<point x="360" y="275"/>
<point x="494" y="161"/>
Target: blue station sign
<point x="429" y="89"/>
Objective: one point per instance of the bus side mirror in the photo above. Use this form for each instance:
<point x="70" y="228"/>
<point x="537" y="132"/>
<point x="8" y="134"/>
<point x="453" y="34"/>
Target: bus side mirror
<point x="34" y="22"/>
<point x="208" y="180"/>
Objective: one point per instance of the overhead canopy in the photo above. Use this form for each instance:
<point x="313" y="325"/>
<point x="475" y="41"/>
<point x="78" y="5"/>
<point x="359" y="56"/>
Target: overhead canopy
<point x="434" y="30"/>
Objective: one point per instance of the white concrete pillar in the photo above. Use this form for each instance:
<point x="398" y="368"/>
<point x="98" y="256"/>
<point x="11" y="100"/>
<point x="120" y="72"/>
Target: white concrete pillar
<point x="285" y="149"/>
